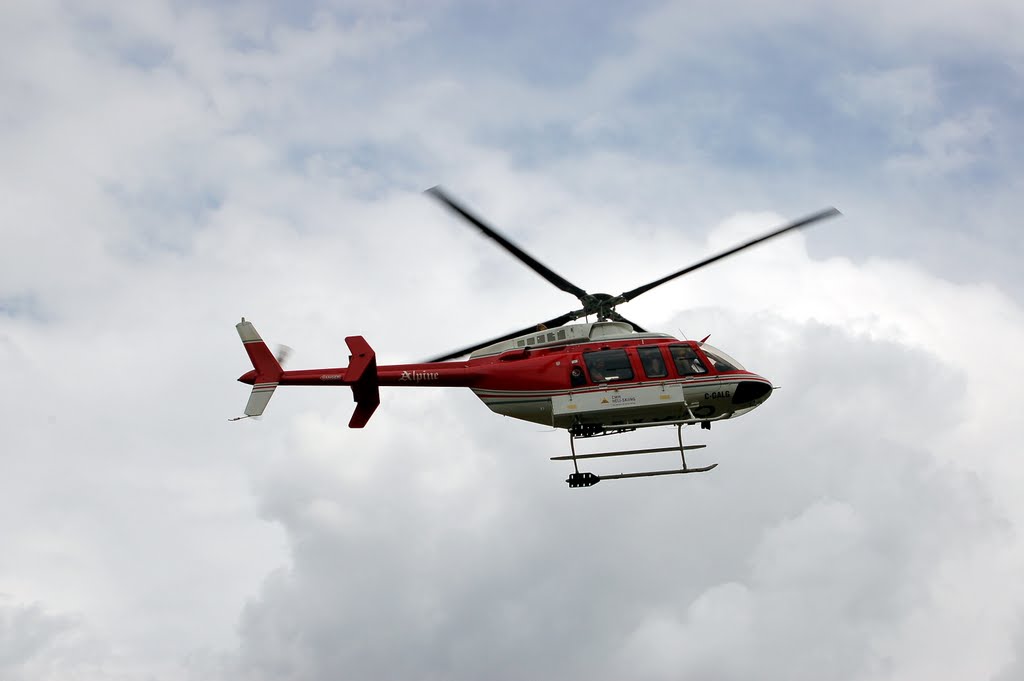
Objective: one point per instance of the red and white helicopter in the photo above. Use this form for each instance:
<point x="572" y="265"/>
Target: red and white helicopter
<point x="605" y="377"/>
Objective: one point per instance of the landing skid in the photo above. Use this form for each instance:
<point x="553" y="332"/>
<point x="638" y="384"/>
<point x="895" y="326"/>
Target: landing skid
<point x="586" y="479"/>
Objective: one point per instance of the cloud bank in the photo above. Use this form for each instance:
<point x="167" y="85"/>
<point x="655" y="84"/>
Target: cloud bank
<point x="169" y="167"/>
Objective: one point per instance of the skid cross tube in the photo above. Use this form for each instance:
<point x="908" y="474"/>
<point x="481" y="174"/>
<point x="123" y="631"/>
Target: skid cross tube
<point x="626" y="452"/>
<point x="586" y="479"/>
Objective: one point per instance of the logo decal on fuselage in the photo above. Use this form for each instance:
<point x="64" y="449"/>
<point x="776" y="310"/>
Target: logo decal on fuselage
<point x="417" y="376"/>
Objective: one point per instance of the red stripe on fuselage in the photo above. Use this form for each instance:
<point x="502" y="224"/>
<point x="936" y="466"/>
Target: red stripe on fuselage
<point x="543" y="371"/>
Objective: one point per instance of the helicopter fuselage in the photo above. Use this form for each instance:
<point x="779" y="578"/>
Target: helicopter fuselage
<point x="601" y="374"/>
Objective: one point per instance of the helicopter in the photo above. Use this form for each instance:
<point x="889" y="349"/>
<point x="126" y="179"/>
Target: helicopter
<point x="597" y="378"/>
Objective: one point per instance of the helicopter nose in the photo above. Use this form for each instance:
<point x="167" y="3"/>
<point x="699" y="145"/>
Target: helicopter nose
<point x="752" y="391"/>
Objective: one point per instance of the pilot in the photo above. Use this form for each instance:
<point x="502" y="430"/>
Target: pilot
<point x="597" y="371"/>
<point x="687" y="362"/>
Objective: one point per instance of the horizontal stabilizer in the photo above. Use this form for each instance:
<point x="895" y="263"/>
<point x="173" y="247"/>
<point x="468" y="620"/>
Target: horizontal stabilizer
<point x="259" y="398"/>
<point x="361" y="374"/>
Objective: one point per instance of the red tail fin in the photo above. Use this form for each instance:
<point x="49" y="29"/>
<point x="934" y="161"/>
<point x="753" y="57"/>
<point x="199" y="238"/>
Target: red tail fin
<point x="263" y="360"/>
<point x="268" y="370"/>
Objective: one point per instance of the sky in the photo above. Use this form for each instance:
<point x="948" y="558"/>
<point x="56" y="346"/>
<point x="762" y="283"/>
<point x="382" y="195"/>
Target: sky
<point x="169" y="167"/>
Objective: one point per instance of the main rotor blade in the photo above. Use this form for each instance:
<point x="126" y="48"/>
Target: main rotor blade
<point x="523" y="256"/>
<point x="803" y="222"/>
<point x="619" y="318"/>
<point x="551" y="323"/>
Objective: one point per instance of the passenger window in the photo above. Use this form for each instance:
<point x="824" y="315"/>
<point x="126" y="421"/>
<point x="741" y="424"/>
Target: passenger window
<point x="653" y="362"/>
<point x="686" y="360"/>
<point x="608" y="365"/>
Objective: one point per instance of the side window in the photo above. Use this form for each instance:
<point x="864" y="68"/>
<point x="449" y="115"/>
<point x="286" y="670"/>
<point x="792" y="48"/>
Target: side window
<point x="608" y="365"/>
<point x="686" y="360"/>
<point x="652" y="361"/>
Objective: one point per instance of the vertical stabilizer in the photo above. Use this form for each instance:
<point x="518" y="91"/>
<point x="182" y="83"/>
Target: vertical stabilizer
<point x="268" y="370"/>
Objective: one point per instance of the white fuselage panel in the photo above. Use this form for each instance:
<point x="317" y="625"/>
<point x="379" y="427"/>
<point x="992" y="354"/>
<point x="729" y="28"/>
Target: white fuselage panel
<point x="619" y="405"/>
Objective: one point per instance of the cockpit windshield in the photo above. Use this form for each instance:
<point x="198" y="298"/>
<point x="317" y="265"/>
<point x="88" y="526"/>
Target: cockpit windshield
<point x="720" y="360"/>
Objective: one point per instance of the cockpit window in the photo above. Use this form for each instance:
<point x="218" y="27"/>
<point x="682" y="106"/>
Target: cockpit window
<point x="686" y="360"/>
<point x="720" y="360"/>
<point x="608" y="365"/>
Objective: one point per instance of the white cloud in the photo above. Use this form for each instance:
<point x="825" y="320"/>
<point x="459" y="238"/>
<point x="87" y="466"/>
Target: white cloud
<point x="903" y="94"/>
<point x="818" y="539"/>
<point x="169" y="169"/>
<point x="25" y="633"/>
<point x="948" y="146"/>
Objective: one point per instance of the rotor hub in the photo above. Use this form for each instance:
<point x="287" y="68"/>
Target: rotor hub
<point x="600" y="304"/>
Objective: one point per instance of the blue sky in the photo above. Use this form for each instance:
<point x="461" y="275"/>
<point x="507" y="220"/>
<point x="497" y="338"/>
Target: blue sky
<point x="170" y="167"/>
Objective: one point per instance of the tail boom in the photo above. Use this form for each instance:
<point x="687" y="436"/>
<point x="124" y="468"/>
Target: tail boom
<point x="446" y="375"/>
<point x="362" y="375"/>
